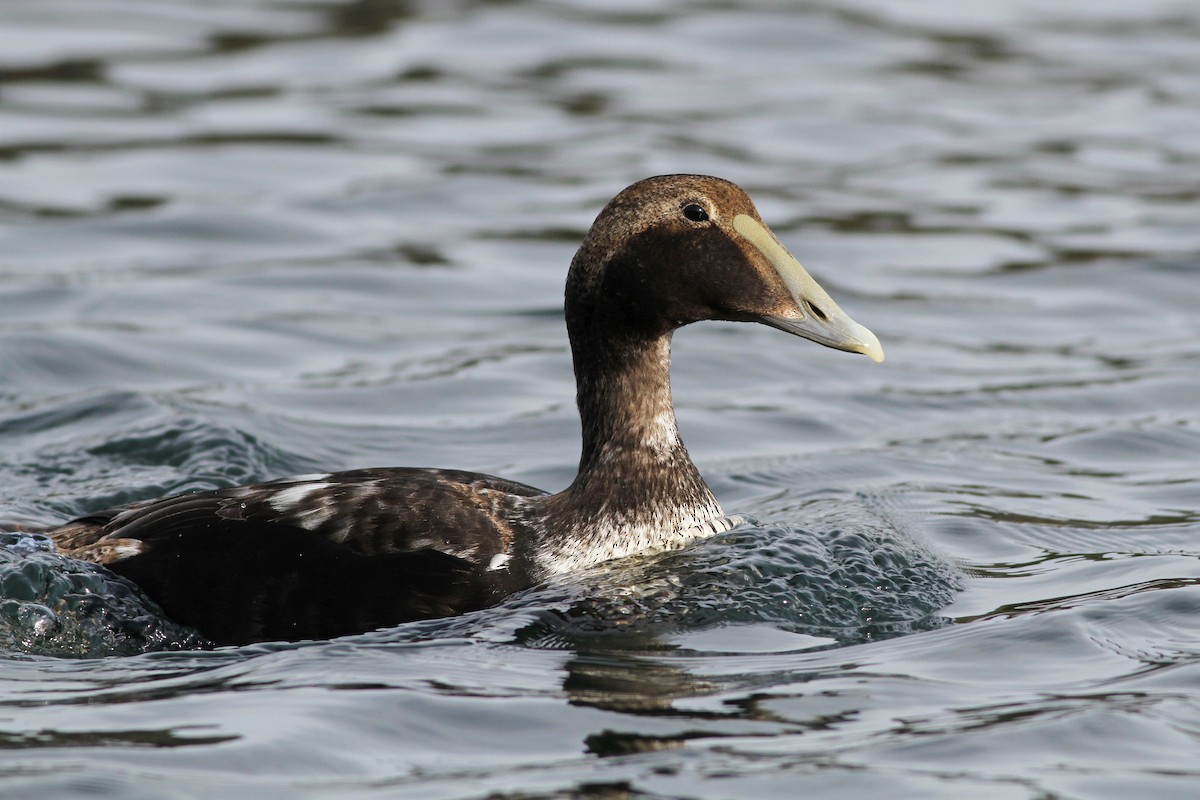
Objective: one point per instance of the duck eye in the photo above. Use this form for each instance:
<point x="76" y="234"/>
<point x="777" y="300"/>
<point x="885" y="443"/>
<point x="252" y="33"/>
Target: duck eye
<point x="695" y="213"/>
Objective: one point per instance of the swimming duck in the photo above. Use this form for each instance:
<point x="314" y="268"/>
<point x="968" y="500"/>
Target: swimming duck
<point x="318" y="556"/>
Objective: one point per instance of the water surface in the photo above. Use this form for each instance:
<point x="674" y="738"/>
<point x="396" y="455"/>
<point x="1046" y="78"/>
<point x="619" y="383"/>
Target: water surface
<point x="244" y="240"/>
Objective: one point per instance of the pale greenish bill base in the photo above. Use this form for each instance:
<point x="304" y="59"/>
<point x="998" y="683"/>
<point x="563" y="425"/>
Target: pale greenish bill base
<point x="836" y="329"/>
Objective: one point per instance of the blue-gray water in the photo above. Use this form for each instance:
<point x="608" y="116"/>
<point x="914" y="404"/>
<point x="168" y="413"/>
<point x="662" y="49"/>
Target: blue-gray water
<point x="248" y="239"/>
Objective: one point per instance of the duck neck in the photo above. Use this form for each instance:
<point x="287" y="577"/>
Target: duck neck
<point x="625" y="409"/>
<point x="637" y="488"/>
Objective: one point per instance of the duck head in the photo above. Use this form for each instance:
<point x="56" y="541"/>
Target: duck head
<point x="676" y="249"/>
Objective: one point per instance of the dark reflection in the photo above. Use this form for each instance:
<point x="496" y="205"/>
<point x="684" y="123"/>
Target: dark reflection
<point x="635" y="684"/>
<point x="131" y="202"/>
<point x="641" y="683"/>
<point x="865" y="221"/>
<point x="609" y="743"/>
<point x="584" y="104"/>
<point x="422" y="255"/>
<point x="959" y="56"/>
<point x="66" y="70"/>
<point x="1051" y="709"/>
<point x="166" y="737"/>
<point x="620" y="681"/>
<point x="590" y="790"/>
<point x="1152" y="521"/>
<point x="239" y="41"/>
<point x="557" y="69"/>
<point x="1008" y="610"/>
<point x="367" y="17"/>
<point x="210" y="139"/>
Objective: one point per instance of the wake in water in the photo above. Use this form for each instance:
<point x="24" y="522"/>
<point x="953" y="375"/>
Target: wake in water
<point x="58" y="606"/>
<point x="847" y="575"/>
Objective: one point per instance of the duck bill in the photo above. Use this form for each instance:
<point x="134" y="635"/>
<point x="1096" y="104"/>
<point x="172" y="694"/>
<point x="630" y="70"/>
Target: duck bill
<point x="814" y="314"/>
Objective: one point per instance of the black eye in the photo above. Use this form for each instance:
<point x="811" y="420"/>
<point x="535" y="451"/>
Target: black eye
<point x="695" y="213"/>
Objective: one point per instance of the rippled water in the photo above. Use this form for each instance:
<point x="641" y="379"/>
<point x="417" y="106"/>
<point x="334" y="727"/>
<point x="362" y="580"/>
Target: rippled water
<point x="246" y="239"/>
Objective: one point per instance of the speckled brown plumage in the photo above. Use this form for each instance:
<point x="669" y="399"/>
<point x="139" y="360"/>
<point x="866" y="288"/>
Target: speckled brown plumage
<point x="325" y="555"/>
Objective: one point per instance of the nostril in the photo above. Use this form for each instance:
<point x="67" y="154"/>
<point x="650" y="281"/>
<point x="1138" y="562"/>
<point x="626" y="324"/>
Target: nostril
<point x="817" y="312"/>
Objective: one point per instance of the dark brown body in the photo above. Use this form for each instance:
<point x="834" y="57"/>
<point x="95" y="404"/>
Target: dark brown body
<point x="394" y="545"/>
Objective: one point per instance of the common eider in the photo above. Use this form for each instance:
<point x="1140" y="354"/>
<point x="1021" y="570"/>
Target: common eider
<point x="318" y="556"/>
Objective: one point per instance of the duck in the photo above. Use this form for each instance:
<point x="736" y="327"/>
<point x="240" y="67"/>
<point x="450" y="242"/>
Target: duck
<point x="326" y="555"/>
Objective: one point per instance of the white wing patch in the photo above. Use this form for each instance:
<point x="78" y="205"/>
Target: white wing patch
<point x="292" y="497"/>
<point x="303" y="502"/>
